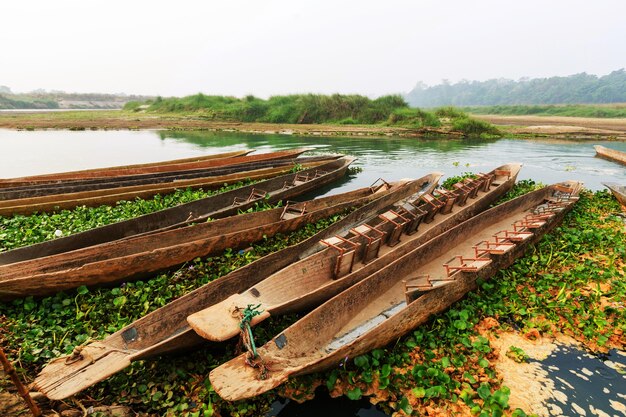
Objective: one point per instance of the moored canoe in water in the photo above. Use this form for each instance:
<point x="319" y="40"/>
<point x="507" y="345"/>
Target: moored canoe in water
<point x="619" y="191"/>
<point x="217" y="206"/>
<point x="222" y="166"/>
<point x="166" y="329"/>
<point x="610" y="154"/>
<point x="345" y="260"/>
<point x="145" y="255"/>
<point x="113" y="195"/>
<point x="150" y="167"/>
<point x="400" y="296"/>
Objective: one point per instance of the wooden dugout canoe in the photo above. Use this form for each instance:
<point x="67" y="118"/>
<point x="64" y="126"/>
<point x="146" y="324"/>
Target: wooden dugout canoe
<point x="166" y="329"/>
<point x="150" y="167"/>
<point x="611" y="154"/>
<point x="110" y="184"/>
<point x="316" y="278"/>
<point x="111" y="196"/>
<point x="112" y="172"/>
<point x="619" y="191"/>
<point x="142" y="256"/>
<point x="215" y="207"/>
<point x="378" y="310"/>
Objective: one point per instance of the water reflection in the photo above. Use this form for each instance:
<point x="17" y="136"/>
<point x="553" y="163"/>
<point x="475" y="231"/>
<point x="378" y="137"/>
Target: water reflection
<point x="28" y="153"/>
<point x="323" y="405"/>
<point x="593" y="385"/>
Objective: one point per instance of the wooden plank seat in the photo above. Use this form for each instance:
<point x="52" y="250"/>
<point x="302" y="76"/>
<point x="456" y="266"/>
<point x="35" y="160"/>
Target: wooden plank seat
<point x="293" y="209"/>
<point x="487" y="180"/>
<point x="254" y="195"/>
<point x="527" y="223"/>
<point x="378" y="185"/>
<point x="512" y="236"/>
<point x="474" y="185"/>
<point x="414" y="214"/>
<point x="373" y="241"/>
<point x="462" y="193"/>
<point x="501" y="175"/>
<point x="461" y="263"/>
<point x="396" y="222"/>
<point x="561" y="194"/>
<point x="416" y="286"/>
<point x="486" y="247"/>
<point x="346" y="251"/>
<point x="431" y="205"/>
<point x="549" y="208"/>
<point x="448" y="198"/>
<point x="540" y="214"/>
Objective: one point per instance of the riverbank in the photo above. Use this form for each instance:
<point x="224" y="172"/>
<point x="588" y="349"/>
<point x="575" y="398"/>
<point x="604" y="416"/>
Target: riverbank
<point x="118" y="120"/>
<point x="558" y="127"/>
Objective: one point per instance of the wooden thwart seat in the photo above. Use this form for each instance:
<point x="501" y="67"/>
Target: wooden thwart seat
<point x="378" y="185"/>
<point x="447" y="198"/>
<point x="416" y="286"/>
<point x="373" y="238"/>
<point x="498" y="174"/>
<point x="431" y="205"/>
<point x="302" y="178"/>
<point x="512" y="236"/>
<point x="528" y="222"/>
<point x="486" y="247"/>
<point x="397" y="223"/>
<point x="254" y="195"/>
<point x="414" y="214"/>
<point x="486" y="181"/>
<point x="462" y="193"/>
<point x="474" y="185"/>
<point x="346" y="253"/>
<point x="461" y="263"/>
<point x="293" y="209"/>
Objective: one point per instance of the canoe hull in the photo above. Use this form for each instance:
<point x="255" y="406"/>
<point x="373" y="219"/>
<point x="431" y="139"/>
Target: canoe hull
<point x="217" y="206"/>
<point x="303" y="347"/>
<point x="166" y="330"/>
<point x="611" y="154"/>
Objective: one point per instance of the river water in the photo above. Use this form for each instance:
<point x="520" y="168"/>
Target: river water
<point x="37" y="152"/>
<point x="548" y="161"/>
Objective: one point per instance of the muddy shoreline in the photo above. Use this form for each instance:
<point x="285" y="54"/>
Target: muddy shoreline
<point x="515" y="126"/>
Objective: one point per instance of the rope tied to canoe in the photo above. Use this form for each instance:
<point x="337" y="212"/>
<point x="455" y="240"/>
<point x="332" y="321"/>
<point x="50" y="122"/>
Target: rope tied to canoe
<point x="253" y="359"/>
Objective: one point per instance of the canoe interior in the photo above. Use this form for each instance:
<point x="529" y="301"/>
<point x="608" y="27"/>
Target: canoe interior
<point x="112" y="195"/>
<point x="113" y="171"/>
<point x="67" y="187"/>
<point x="142" y="256"/>
<point x="217" y="206"/>
<point x="166" y="329"/>
<point x="375" y="312"/>
<point x="329" y="271"/>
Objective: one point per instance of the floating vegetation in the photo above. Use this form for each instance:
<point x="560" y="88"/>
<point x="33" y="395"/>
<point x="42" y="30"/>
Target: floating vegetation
<point x="572" y="281"/>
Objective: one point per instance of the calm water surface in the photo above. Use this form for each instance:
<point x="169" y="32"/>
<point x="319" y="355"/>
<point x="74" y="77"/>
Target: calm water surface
<point x="29" y="153"/>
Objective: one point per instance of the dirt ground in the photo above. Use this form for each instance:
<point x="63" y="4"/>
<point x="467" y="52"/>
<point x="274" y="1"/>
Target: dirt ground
<point x="578" y="127"/>
<point x="527" y="126"/>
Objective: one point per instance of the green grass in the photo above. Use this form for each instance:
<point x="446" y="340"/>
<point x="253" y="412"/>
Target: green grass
<point x="571" y="110"/>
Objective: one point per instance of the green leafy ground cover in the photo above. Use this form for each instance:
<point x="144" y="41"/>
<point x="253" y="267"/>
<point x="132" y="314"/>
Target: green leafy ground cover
<point x="573" y="279"/>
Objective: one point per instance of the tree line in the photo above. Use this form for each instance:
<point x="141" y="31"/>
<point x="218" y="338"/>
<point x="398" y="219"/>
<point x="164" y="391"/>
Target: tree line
<point x="577" y="88"/>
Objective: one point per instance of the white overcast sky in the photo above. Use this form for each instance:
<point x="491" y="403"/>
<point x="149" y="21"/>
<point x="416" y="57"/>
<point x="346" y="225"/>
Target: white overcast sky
<point x="266" y="47"/>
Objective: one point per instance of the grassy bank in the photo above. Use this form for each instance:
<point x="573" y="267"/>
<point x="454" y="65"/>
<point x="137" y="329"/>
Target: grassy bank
<point x="610" y="111"/>
<point x="335" y="109"/>
<point x="571" y="280"/>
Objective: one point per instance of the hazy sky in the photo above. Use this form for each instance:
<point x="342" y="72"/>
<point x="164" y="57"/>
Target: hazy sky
<point x="266" y="47"/>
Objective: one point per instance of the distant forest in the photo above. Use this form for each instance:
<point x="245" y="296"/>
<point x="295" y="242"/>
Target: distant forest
<point x="578" y="88"/>
<point x="41" y="99"/>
